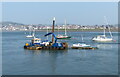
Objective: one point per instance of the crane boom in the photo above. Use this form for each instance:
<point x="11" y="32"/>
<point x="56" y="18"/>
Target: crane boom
<point x="52" y="35"/>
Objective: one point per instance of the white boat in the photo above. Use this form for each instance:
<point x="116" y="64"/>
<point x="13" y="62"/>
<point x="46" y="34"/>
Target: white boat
<point x="103" y="38"/>
<point x="65" y="36"/>
<point x="80" y="45"/>
<point x="31" y="35"/>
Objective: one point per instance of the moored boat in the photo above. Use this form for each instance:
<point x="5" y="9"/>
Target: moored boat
<point x="31" y="34"/>
<point x="65" y="36"/>
<point x="82" y="46"/>
<point x="104" y="38"/>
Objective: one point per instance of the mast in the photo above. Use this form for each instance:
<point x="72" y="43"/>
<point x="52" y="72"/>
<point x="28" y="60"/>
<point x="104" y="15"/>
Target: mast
<point x="33" y="34"/>
<point x="53" y="29"/>
<point x="58" y="30"/>
<point x="47" y="32"/>
<point x="104" y="30"/>
<point x="104" y="25"/>
<point x="110" y="31"/>
<point x="82" y="36"/>
<point x="65" y="28"/>
<point x="30" y="30"/>
<point x="108" y="27"/>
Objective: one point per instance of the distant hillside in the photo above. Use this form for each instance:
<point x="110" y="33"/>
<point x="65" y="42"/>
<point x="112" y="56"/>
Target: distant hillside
<point x="8" y="23"/>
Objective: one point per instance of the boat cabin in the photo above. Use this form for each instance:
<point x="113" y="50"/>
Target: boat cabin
<point x="36" y="41"/>
<point x="100" y="37"/>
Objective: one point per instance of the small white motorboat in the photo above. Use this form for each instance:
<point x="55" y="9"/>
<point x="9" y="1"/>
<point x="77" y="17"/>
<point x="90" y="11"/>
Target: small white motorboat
<point x="29" y="36"/>
<point x="82" y="46"/>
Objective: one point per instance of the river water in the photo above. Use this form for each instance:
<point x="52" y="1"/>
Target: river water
<point x="18" y="61"/>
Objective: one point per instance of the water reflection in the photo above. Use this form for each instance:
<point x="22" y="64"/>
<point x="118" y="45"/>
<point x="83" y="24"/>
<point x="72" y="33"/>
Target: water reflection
<point x="37" y="52"/>
<point x="108" y="45"/>
<point x="105" y="46"/>
<point x="50" y="58"/>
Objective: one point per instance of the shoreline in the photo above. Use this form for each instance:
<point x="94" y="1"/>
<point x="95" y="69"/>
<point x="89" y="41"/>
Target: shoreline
<point x="71" y="30"/>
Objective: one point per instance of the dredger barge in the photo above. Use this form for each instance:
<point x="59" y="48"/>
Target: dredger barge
<point x="37" y="44"/>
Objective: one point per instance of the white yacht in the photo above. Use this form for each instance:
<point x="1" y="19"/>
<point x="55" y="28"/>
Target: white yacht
<point x="103" y="38"/>
<point x="65" y="36"/>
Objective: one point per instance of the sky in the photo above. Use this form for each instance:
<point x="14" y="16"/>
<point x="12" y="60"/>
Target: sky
<point x="83" y="13"/>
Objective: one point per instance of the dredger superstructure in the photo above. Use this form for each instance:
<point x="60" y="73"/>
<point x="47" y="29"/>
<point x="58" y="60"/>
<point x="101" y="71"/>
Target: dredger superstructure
<point x="37" y="44"/>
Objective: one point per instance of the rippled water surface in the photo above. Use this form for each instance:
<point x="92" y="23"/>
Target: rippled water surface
<point x="17" y="61"/>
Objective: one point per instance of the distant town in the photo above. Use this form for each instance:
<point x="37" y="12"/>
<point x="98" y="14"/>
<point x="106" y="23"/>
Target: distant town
<point x="12" y="26"/>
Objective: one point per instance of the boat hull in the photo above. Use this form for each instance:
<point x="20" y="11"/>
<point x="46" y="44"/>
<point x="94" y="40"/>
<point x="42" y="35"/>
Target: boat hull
<point x="63" y="37"/>
<point x="102" y="40"/>
<point x="29" y="36"/>
<point x="45" y="48"/>
<point x="84" y="47"/>
<point x="49" y="47"/>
